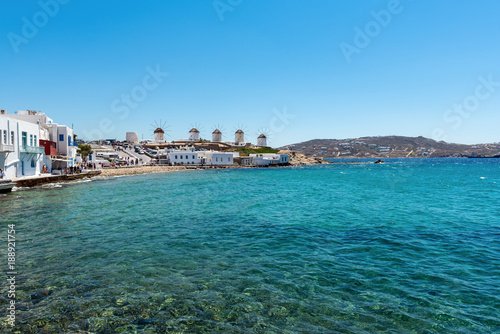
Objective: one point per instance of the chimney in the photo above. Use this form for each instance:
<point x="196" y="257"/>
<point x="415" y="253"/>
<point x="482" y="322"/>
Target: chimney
<point x="3" y="112"/>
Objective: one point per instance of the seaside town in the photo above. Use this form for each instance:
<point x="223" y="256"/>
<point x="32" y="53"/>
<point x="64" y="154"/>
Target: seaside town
<point x="34" y="149"/>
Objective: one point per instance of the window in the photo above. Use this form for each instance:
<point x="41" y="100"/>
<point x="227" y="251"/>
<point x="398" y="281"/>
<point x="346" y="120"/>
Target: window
<point x="61" y="137"/>
<point x="33" y="163"/>
<point x="12" y="138"/>
<point x="34" y="141"/>
<point x="181" y="156"/>
<point x="187" y="157"/>
<point x="25" y="140"/>
<point x="175" y="157"/>
<point x="31" y="140"/>
<point x="194" y="157"/>
<point x="5" y="137"/>
<point x="69" y="140"/>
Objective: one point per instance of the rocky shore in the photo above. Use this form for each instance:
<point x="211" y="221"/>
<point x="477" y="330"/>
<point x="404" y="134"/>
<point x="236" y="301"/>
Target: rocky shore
<point x="298" y="159"/>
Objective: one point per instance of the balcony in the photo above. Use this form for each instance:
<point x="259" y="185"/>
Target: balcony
<point x="50" y="147"/>
<point x="32" y="149"/>
<point x="6" y="148"/>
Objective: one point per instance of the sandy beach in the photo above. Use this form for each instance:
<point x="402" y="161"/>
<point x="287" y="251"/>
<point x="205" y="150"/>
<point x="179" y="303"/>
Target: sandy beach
<point x="140" y="170"/>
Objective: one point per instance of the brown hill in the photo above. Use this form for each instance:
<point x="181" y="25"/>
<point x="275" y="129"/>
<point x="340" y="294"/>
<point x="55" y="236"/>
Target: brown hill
<point x="389" y="146"/>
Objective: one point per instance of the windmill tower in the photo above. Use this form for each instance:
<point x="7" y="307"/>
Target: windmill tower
<point x="216" y="136"/>
<point x="264" y="135"/>
<point x="239" y="137"/>
<point x="262" y="140"/>
<point x="194" y="134"/>
<point x="159" y="133"/>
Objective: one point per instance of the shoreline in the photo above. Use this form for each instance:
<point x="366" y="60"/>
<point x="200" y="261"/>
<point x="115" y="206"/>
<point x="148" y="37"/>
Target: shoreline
<point x="32" y="182"/>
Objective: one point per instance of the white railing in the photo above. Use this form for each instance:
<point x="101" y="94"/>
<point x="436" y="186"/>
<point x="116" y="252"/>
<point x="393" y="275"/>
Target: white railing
<point x="6" y="148"/>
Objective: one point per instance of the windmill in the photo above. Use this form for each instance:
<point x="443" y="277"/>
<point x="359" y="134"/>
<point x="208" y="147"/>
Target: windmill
<point x="217" y="134"/>
<point x="239" y="135"/>
<point x="159" y="132"/>
<point x="264" y="134"/>
<point x="194" y="133"/>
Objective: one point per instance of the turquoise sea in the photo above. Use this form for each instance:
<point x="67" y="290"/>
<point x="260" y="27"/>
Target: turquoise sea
<point x="410" y="246"/>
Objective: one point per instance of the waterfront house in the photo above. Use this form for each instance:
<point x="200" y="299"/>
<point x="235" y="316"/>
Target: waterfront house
<point x="266" y="159"/>
<point x="183" y="157"/>
<point x="20" y="153"/>
<point x="216" y="158"/>
<point x="52" y="134"/>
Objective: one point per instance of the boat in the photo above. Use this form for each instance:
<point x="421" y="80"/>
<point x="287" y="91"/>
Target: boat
<point x="479" y="156"/>
<point x="6" y="186"/>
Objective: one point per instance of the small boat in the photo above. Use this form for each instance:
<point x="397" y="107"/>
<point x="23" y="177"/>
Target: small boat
<point x="6" y="186"/>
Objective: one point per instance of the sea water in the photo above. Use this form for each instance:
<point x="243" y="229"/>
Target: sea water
<point x="409" y="246"/>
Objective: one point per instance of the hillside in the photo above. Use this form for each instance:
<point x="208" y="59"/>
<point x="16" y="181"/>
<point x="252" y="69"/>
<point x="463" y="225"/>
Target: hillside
<point x="389" y="146"/>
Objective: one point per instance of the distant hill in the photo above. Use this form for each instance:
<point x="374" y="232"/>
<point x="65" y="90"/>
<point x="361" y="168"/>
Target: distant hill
<point x="389" y="146"/>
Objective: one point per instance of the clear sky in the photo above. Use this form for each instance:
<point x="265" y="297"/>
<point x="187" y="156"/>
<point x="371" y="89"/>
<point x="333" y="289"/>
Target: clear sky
<point x="299" y="70"/>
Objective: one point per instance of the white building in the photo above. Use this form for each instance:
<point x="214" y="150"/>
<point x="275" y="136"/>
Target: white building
<point x="181" y="157"/>
<point x="20" y="153"/>
<point x="266" y="159"/>
<point x="216" y="158"/>
<point x="58" y="140"/>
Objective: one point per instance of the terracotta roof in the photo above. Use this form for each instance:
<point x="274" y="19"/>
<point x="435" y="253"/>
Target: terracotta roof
<point x="217" y="132"/>
<point x="194" y="130"/>
<point x="239" y="131"/>
<point x="262" y="136"/>
<point x="159" y="130"/>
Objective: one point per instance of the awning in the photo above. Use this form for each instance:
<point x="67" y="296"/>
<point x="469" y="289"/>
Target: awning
<point x="61" y="157"/>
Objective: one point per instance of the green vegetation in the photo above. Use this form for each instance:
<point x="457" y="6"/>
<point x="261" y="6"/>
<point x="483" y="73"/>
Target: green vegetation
<point x="85" y="151"/>
<point x="244" y="151"/>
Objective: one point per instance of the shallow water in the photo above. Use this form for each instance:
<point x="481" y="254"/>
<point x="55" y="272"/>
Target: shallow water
<point x="408" y="246"/>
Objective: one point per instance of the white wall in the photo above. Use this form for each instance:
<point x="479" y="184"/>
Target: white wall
<point x="216" y="158"/>
<point x="20" y="163"/>
<point x="183" y="157"/>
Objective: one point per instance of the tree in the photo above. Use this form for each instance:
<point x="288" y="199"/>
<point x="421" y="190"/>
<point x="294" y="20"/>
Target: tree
<point x="85" y="151"/>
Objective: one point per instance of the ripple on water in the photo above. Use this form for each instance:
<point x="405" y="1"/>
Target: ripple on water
<point x="289" y="250"/>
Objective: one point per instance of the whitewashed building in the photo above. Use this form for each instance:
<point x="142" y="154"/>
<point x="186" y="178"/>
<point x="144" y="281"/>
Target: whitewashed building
<point x="182" y="157"/>
<point x="58" y="140"/>
<point x="216" y="158"/>
<point x="20" y="153"/>
<point x="266" y="159"/>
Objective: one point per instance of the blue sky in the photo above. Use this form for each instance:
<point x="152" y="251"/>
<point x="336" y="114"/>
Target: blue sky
<point x="427" y="68"/>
